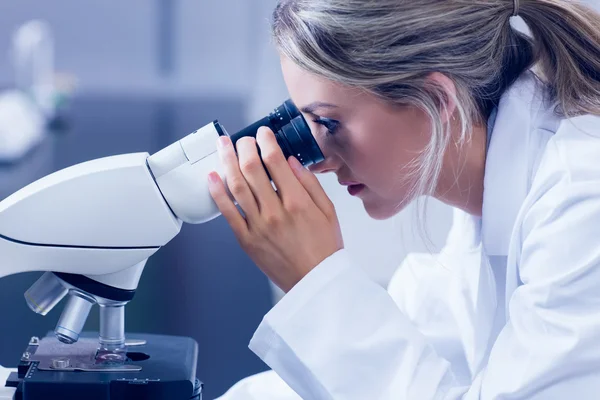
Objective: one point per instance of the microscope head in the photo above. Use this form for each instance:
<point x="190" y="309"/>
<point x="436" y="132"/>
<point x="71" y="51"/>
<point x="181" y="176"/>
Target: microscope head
<point x="92" y="227"/>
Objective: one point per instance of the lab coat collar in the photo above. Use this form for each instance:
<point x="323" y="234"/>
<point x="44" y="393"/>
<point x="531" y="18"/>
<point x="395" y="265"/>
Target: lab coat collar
<point x="507" y="168"/>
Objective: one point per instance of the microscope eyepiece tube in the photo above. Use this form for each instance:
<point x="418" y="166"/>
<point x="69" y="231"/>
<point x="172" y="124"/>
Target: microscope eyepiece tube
<point x="45" y="293"/>
<point x="73" y="317"/>
<point x="292" y="132"/>
<point x="180" y="170"/>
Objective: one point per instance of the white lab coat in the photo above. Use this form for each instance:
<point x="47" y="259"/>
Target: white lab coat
<point x="441" y="330"/>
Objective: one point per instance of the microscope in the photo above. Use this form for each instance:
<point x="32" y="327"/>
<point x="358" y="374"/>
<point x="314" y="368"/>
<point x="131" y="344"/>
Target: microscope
<point x="90" y="229"/>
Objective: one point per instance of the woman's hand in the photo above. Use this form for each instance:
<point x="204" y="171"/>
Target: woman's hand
<point x="286" y="232"/>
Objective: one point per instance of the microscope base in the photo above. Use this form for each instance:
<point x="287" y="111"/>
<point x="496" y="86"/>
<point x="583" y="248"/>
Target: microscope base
<point x="162" y="368"/>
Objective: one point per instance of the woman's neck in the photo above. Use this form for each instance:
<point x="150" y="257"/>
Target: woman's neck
<point x="461" y="181"/>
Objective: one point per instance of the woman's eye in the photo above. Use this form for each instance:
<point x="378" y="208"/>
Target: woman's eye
<point x="330" y="124"/>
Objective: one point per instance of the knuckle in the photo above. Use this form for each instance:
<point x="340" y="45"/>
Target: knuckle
<point x="248" y="242"/>
<point x="245" y="239"/>
<point x="236" y="186"/>
<point x="272" y="158"/>
<point x="259" y="232"/>
<point x="329" y="206"/>
<point x="250" y="165"/>
<point x="218" y="196"/>
<point x="330" y="210"/>
<point x="314" y="180"/>
<point x="272" y="221"/>
<point x="294" y="206"/>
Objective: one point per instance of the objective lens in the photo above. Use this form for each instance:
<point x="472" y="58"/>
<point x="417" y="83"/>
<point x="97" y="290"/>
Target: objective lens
<point x="112" y="348"/>
<point x="45" y="293"/>
<point x="73" y="317"/>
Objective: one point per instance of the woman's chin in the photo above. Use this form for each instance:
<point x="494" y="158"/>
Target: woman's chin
<point x="379" y="211"/>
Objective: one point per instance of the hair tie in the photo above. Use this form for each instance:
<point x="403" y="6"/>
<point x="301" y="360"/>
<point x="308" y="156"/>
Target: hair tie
<point x="516" y="10"/>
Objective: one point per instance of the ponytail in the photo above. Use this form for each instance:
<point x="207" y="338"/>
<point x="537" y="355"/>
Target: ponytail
<point x="566" y="48"/>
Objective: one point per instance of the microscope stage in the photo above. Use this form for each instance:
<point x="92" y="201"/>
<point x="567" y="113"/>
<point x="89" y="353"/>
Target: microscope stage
<point x="158" y="367"/>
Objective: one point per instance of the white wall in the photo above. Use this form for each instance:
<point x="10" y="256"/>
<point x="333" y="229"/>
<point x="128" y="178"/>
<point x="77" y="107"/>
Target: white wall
<point x="114" y="46"/>
<point x="107" y="44"/>
<point x="215" y="45"/>
<point x="111" y="45"/>
<point x="594" y="3"/>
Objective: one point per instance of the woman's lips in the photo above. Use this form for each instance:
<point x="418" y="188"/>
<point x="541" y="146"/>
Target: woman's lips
<point x="354" y="188"/>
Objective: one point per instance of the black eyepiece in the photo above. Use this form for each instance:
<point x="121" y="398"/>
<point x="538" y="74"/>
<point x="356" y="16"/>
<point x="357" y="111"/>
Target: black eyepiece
<point x="292" y="132"/>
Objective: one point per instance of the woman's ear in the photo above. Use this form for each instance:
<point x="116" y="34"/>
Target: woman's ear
<point x="441" y="81"/>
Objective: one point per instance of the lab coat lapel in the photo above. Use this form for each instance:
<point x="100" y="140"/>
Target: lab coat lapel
<point x="524" y="124"/>
<point x="506" y="181"/>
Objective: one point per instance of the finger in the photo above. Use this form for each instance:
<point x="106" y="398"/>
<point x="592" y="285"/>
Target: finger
<point x="235" y="180"/>
<point x="255" y="174"/>
<point x="219" y="194"/>
<point x="278" y="167"/>
<point x="313" y="187"/>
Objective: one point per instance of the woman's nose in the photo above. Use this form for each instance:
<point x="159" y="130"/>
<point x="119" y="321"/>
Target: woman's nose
<point x="322" y="167"/>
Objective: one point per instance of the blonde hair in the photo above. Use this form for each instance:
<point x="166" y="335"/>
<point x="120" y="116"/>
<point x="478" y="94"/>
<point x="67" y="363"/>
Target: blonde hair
<point x="389" y="47"/>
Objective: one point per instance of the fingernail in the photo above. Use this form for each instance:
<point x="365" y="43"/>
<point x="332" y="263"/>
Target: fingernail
<point x="213" y="178"/>
<point x="261" y="130"/>
<point x="296" y="164"/>
<point x="222" y="142"/>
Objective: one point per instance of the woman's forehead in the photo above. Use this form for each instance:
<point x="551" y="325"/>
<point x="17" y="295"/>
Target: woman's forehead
<point x="306" y="88"/>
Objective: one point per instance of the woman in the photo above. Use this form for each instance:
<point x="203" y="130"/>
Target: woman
<point x="443" y="99"/>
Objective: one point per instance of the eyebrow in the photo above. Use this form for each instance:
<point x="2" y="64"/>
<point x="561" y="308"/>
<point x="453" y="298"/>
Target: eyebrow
<point x="312" y="107"/>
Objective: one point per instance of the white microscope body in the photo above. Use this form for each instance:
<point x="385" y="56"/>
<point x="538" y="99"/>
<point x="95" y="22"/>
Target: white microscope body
<point x="102" y="219"/>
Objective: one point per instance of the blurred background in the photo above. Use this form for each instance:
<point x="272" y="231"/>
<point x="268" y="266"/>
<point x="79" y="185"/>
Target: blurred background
<point x="139" y="75"/>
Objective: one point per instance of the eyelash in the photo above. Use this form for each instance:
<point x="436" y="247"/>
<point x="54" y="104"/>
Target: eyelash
<point x="330" y="124"/>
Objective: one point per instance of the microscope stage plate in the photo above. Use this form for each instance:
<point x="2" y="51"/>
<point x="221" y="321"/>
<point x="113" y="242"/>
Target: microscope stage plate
<point x="79" y="356"/>
<point x="168" y="371"/>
